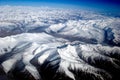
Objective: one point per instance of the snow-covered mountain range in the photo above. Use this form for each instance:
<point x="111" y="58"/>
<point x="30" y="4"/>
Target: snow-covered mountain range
<point x="42" y="43"/>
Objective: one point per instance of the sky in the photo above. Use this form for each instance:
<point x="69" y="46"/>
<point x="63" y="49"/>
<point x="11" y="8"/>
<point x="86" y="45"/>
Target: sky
<point x="108" y="5"/>
<point x="88" y="3"/>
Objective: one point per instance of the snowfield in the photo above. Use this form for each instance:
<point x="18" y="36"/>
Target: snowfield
<point x="42" y="43"/>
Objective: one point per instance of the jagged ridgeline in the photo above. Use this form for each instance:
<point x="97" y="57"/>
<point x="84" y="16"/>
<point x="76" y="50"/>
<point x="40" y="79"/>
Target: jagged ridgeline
<point x="42" y="43"/>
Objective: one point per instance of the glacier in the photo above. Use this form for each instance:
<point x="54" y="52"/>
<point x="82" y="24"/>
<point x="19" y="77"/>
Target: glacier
<point x="44" y="43"/>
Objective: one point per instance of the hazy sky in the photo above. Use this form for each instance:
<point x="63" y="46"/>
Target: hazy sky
<point x="111" y="5"/>
<point x="74" y="2"/>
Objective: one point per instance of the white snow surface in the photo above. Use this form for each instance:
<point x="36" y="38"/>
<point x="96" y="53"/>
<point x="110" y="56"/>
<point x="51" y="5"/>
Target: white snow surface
<point x="76" y="35"/>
